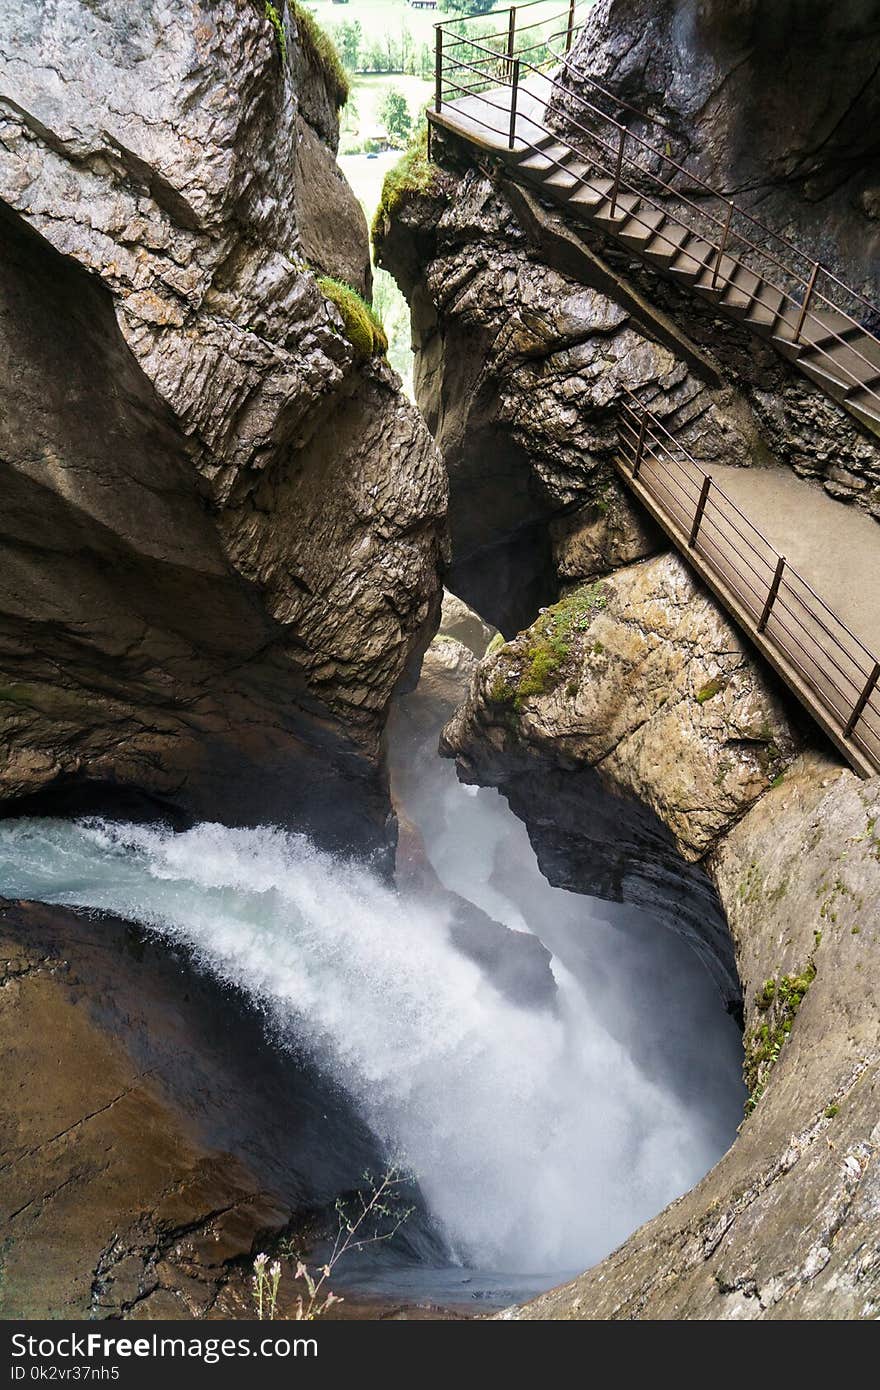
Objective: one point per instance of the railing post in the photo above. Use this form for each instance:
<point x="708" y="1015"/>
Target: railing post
<point x="806" y="304"/>
<point x="512" y="137"/>
<point x="640" y="447"/>
<point x="511" y="35"/>
<point x="570" y="32"/>
<point x="863" y="699"/>
<point x="701" y="507"/>
<point x="438" y="67"/>
<point x="619" y="165"/>
<point x="771" y="596"/>
<point x="724" y="236"/>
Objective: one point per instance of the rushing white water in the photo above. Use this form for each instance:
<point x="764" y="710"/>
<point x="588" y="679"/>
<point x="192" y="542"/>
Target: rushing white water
<point x="537" y="1140"/>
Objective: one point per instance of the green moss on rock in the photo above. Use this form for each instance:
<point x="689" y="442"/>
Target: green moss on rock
<point x="363" y="327"/>
<point x="711" y="689"/>
<point x="414" y="172"/>
<point x="320" y="48"/>
<point x="780" y="998"/>
<point x="277" y="23"/>
<point x="501" y="692"/>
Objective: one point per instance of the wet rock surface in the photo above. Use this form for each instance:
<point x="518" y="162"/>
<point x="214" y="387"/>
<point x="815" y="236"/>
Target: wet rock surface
<point x="640" y="676"/>
<point x="158" y="1139"/>
<point x="636" y="734"/>
<point x="519" y="372"/>
<point x="783" y="1227"/>
<point x="222" y="534"/>
<point x="774" y="106"/>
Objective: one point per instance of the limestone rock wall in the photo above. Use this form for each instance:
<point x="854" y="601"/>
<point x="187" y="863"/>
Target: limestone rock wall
<point x="632" y="730"/>
<point x="519" y="371"/>
<point x="221" y="533"/>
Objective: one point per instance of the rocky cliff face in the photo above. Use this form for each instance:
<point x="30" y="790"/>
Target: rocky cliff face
<point x="519" y="367"/>
<point x="222" y="527"/>
<point x="530" y="330"/>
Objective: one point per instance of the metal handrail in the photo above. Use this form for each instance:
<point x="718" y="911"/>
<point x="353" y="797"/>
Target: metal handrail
<point x="835" y="674"/>
<point x="700" y="183"/>
<point x="790" y="312"/>
<point x="459" y="39"/>
<point x="583" y="77"/>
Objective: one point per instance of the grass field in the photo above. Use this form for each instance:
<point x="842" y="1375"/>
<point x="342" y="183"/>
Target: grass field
<point x="360" y="118"/>
<point x="379" y="17"/>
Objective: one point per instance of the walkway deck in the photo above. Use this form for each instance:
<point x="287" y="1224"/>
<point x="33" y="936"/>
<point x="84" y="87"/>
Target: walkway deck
<point x="835" y="547"/>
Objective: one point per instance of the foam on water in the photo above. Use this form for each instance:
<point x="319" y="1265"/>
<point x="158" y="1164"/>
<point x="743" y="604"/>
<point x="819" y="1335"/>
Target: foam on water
<point x="537" y="1139"/>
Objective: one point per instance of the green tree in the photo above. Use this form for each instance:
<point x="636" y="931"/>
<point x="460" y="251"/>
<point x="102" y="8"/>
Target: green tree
<point x="394" y="114"/>
<point x="471" y="6"/>
<point x="347" y="37"/>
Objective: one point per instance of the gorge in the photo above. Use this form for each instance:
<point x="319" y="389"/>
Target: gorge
<point x="259" y="936"/>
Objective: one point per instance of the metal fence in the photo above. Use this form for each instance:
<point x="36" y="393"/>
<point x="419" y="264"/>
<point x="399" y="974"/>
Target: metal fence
<point x="830" y="670"/>
<point x="489" y="74"/>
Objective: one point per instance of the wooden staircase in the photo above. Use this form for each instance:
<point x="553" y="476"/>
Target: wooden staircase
<point x="840" y="357"/>
<point x="836" y="353"/>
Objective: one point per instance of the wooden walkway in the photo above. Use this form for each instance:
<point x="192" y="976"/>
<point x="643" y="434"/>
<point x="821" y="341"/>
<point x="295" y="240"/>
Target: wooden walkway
<point x="812" y="319"/>
<point x="831" y="671"/>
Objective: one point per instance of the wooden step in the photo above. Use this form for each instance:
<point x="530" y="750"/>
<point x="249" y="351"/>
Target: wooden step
<point x="590" y="196"/>
<point x="714" y="285"/>
<point x="569" y="179"/>
<point x="545" y="159"/>
<point x="858" y="355"/>
<point x="865" y="406"/>
<point x="624" y="206"/>
<point x="817" y="327"/>
<point x="741" y="291"/>
<point x="691" y="261"/>
<point x="765" y="310"/>
<point x="641" y="226"/>
<point x="831" y="350"/>
<point x="668" y="243"/>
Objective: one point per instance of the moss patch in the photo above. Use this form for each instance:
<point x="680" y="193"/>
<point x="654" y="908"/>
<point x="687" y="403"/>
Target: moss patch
<point x="363" y="327"/>
<point x="413" y="173"/>
<point x="501" y="692"/>
<point x="711" y="689"/>
<point x="780" y="999"/>
<point x="320" y="48"/>
<point x="277" y="23"/>
<point x="538" y="657"/>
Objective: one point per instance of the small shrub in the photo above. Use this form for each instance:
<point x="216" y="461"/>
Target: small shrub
<point x="373" y="1217"/>
<point x="363" y="327"/>
<point x="319" y="46"/>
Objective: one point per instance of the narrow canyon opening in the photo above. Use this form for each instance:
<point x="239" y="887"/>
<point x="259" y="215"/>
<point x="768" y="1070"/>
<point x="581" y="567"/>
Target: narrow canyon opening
<point x="548" y="1069"/>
